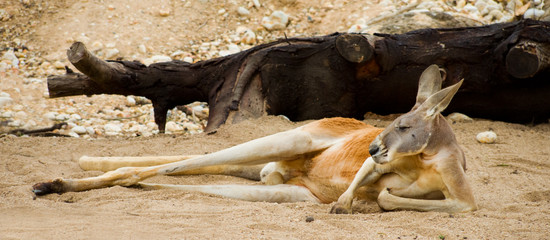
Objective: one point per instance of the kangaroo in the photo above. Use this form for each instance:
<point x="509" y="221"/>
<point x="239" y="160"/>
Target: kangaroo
<point x="413" y="164"/>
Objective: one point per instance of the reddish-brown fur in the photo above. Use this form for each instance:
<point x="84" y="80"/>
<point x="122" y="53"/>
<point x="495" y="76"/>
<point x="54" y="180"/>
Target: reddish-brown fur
<point x="329" y="173"/>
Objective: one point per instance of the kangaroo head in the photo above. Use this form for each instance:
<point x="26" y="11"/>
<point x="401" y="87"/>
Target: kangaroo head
<point x="423" y="129"/>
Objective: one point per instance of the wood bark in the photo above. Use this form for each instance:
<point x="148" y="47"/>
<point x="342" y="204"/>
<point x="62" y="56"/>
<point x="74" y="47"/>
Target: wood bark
<point x="505" y="67"/>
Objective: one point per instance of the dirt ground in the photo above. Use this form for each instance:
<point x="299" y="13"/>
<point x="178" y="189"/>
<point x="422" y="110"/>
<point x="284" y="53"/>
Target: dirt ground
<point x="510" y="178"/>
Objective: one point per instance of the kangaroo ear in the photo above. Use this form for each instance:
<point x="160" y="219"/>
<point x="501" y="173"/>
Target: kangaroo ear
<point x="429" y="83"/>
<point x="437" y="102"/>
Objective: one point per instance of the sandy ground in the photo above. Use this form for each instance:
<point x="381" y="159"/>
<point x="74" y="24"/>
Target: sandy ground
<point x="510" y="179"/>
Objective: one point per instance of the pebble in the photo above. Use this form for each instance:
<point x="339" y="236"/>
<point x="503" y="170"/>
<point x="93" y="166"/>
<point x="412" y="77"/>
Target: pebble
<point x="256" y="3"/>
<point x="276" y="21"/>
<point x="157" y="59"/>
<point x="164" y="12"/>
<point x="111" y="53"/>
<point x="243" y="11"/>
<point x="130" y="101"/>
<point x="459" y="117"/>
<point x="173" y="127"/>
<point x="58" y="65"/>
<point x="533" y="13"/>
<point x="112" y="129"/>
<point x="142" y="49"/>
<point x="79" y="130"/>
<point x="486" y="137"/>
<point x="5" y="101"/>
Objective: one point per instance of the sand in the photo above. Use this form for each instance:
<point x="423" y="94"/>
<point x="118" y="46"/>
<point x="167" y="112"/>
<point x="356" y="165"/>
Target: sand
<point x="510" y="180"/>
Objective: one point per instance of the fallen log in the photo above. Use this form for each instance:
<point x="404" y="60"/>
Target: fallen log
<point x="505" y="67"/>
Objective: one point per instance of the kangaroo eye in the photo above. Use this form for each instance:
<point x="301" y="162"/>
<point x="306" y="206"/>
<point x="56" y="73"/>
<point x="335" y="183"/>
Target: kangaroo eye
<point x="403" y="128"/>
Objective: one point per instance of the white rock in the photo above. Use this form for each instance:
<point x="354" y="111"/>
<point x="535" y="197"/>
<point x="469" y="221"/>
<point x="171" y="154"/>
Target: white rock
<point x="75" y="116"/>
<point x="15" y="123"/>
<point x="188" y="59"/>
<point x="357" y="28"/>
<point x="243" y="11"/>
<point x="73" y="134"/>
<point x="459" y="117"/>
<point x="486" y="137"/>
<point x="537" y="2"/>
<point x="50" y="115"/>
<point x="79" y="130"/>
<point x="62" y="117"/>
<point x="173" y="127"/>
<point x="130" y="101"/>
<point x="249" y="37"/>
<point x="112" y="129"/>
<point x="4" y="94"/>
<point x="5" y="101"/>
<point x="256" y="3"/>
<point x="533" y="13"/>
<point x="277" y="20"/>
<point x="7" y="114"/>
<point x="470" y="8"/>
<point x="82" y="38"/>
<point x="164" y="12"/>
<point x="90" y="130"/>
<point x="58" y="65"/>
<point x="190" y="126"/>
<point x="96" y="46"/>
<point x="221" y="11"/>
<point x="20" y="115"/>
<point x="10" y="56"/>
<point x="142" y="49"/>
<point x="157" y="59"/>
<point x="111" y="53"/>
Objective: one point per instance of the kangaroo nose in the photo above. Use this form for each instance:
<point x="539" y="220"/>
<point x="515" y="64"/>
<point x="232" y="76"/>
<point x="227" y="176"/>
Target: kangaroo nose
<point x="373" y="149"/>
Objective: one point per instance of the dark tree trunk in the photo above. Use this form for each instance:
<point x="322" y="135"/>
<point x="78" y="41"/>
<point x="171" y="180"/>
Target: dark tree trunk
<point x="505" y="67"/>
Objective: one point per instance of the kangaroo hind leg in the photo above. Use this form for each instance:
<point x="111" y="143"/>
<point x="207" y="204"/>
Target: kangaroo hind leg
<point x="253" y="193"/>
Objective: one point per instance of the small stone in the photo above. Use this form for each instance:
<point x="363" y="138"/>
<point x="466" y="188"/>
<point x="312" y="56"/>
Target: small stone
<point x="79" y="130"/>
<point x="459" y="117"/>
<point x="357" y="28"/>
<point x="188" y="59"/>
<point x="20" y="115"/>
<point x="533" y="13"/>
<point x="130" y="101"/>
<point x="90" y="130"/>
<point x="96" y="46"/>
<point x="310" y="219"/>
<point x="256" y="3"/>
<point x="5" y="101"/>
<point x="111" y="53"/>
<point x="243" y="11"/>
<point x="221" y="11"/>
<point x="73" y="134"/>
<point x="486" y="137"/>
<point x="62" y="117"/>
<point x="75" y="116"/>
<point x="164" y="12"/>
<point x="58" y="65"/>
<point x="173" y="127"/>
<point x="10" y="56"/>
<point x="142" y="49"/>
<point x="50" y="115"/>
<point x="7" y="114"/>
<point x="112" y="129"/>
<point x="277" y="20"/>
<point x="110" y="7"/>
<point x="249" y="37"/>
<point x="157" y="59"/>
